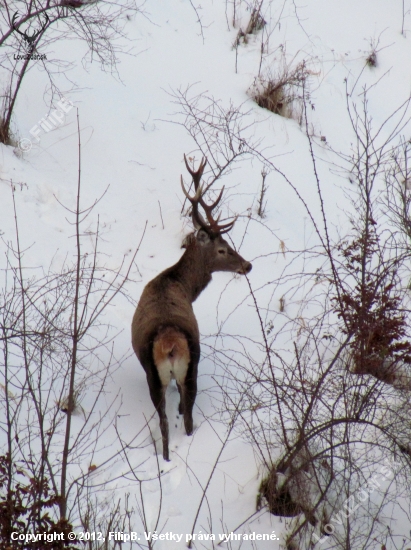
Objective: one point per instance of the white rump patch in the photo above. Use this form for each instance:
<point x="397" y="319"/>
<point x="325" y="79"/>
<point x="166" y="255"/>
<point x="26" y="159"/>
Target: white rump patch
<point x="171" y="355"/>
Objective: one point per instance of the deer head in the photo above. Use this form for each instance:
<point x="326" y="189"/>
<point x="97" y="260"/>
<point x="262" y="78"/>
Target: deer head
<point x="221" y="256"/>
<point x="30" y="39"/>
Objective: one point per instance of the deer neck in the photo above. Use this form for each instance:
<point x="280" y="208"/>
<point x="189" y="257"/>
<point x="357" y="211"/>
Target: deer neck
<point x="193" y="270"/>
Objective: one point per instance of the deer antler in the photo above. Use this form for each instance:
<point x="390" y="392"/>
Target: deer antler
<point x="213" y="228"/>
<point x="36" y="34"/>
<point x="30" y="39"/>
<point x="13" y="22"/>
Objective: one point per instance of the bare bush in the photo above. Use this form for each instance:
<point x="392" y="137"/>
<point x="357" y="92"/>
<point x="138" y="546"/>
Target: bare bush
<point x="323" y="394"/>
<point x="281" y="93"/>
<point x="99" y="25"/>
<point x="262" y="203"/>
<point x="254" y="25"/>
<point x="25" y="505"/>
<point x="372" y="59"/>
<point x="56" y="357"/>
<point x="221" y="134"/>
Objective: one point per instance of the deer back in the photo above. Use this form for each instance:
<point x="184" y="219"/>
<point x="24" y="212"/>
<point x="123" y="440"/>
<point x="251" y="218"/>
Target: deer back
<point x="165" y="301"/>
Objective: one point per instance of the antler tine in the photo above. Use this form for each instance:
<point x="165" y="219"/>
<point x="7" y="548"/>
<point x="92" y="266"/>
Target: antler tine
<point x="211" y="206"/>
<point x="46" y="20"/>
<point x="196" y="197"/>
<point x="36" y="34"/>
<point x="13" y="22"/>
<point x="198" y="220"/>
<point x="213" y="228"/>
<point x="225" y="228"/>
<point x="198" y="174"/>
<point x="214" y="225"/>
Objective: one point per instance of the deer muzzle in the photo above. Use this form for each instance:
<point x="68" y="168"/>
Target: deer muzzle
<point x="245" y="268"/>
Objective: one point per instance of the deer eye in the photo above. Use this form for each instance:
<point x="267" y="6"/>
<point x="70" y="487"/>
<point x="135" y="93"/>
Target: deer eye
<point x="221" y="251"/>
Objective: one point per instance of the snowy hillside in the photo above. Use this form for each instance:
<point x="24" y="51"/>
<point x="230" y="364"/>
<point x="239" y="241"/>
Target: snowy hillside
<point x="282" y="378"/>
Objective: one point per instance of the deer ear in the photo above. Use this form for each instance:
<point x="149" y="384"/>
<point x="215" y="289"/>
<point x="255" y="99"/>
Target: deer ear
<point x="202" y="237"/>
<point x="188" y="240"/>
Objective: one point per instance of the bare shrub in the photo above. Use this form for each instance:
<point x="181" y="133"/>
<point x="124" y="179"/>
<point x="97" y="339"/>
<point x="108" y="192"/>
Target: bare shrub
<point x="99" y="25"/>
<point x="371" y="300"/>
<point x="281" y="93"/>
<point x="221" y="133"/>
<point x="262" y="203"/>
<point x="25" y="507"/>
<point x="277" y="496"/>
<point x="372" y="59"/>
<point x="56" y="348"/>
<point x="257" y="21"/>
<point x="255" y="24"/>
<point x="371" y="308"/>
<point x="333" y="443"/>
<point x="324" y="402"/>
<point x="375" y="48"/>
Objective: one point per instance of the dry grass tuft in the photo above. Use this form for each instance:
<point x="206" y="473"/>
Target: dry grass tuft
<point x="372" y="59"/>
<point x="255" y="24"/>
<point x="278" y="499"/>
<point x="280" y="93"/>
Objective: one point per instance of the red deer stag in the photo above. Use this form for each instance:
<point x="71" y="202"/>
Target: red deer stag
<point x="165" y="333"/>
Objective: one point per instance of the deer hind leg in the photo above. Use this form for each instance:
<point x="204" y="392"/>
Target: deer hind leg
<point x="164" y="424"/>
<point x="180" y="405"/>
<point x="158" y="397"/>
<point x="186" y="407"/>
<point x="188" y="396"/>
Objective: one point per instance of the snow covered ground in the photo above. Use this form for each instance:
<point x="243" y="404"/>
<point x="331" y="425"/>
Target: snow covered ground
<point x="132" y="153"/>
